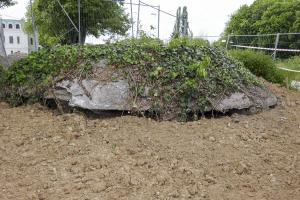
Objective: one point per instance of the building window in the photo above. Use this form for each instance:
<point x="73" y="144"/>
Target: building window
<point x="17" y="26"/>
<point x="18" y="40"/>
<point x="10" y="26"/>
<point x="3" y="25"/>
<point x="11" y="39"/>
<point x="31" y="41"/>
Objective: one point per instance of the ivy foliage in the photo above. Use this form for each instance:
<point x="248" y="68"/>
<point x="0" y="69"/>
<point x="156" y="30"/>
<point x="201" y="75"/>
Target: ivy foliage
<point x="182" y="79"/>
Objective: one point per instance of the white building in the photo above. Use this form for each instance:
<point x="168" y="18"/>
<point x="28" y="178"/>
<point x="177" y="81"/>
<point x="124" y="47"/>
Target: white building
<point x="15" y="39"/>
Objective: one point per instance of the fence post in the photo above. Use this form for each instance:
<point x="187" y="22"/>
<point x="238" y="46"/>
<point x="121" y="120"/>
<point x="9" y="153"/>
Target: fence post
<point x="276" y="45"/>
<point x="138" y="20"/>
<point x="35" y="33"/>
<point x="227" y="42"/>
<point x="79" y="22"/>
<point x="158" y="22"/>
<point x="131" y="14"/>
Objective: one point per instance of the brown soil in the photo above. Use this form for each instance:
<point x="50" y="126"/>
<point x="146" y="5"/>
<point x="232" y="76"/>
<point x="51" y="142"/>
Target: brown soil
<point x="45" y="156"/>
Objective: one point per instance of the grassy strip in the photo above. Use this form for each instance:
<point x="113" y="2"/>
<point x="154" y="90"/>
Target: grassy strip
<point x="293" y="64"/>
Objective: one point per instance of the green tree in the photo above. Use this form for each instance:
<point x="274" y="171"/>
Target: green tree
<point x="5" y="3"/>
<point x="98" y="17"/>
<point x="266" y="16"/>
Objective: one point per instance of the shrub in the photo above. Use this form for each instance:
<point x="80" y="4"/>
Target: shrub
<point x="259" y="64"/>
<point x="2" y="81"/>
<point x="188" y="42"/>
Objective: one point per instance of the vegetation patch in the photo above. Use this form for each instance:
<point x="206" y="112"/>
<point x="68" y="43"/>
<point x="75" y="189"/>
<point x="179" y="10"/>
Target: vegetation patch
<point x="259" y="64"/>
<point x="292" y="63"/>
<point x="181" y="79"/>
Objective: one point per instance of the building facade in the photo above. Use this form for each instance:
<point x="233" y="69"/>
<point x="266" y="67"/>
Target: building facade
<point x="15" y="38"/>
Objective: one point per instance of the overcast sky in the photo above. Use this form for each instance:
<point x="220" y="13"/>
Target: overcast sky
<point x="206" y="17"/>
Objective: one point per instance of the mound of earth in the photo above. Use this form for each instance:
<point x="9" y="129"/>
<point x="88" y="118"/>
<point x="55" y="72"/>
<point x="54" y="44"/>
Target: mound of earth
<point x="177" y="81"/>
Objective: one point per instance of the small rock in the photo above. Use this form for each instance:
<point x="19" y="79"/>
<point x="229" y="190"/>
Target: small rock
<point x="130" y="151"/>
<point x="264" y="136"/>
<point x="242" y="168"/>
<point x="205" y="135"/>
<point x="193" y="190"/>
<point x="244" y="137"/>
<point x="76" y="135"/>
<point x="273" y="178"/>
<point x="79" y="186"/>
<point x="53" y="179"/>
<point x="174" y="194"/>
<point x="235" y="118"/>
<point x="212" y="139"/>
<point x="74" y="162"/>
<point x="204" y="195"/>
<point x="19" y="143"/>
<point x="283" y="118"/>
<point x="114" y="129"/>
<point x="156" y="194"/>
<point x="66" y="191"/>
<point x="41" y="196"/>
<point x="134" y="181"/>
<point x="56" y="139"/>
<point x="297" y="141"/>
<point x="104" y="124"/>
<point x="210" y="179"/>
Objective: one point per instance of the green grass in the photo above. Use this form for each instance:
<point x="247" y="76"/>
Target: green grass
<point x="293" y="64"/>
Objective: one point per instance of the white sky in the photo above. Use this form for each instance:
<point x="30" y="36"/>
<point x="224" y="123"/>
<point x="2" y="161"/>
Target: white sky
<point x="206" y="17"/>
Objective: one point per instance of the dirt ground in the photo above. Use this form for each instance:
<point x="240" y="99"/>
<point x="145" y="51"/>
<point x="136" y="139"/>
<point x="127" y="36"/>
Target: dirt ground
<point x="47" y="156"/>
